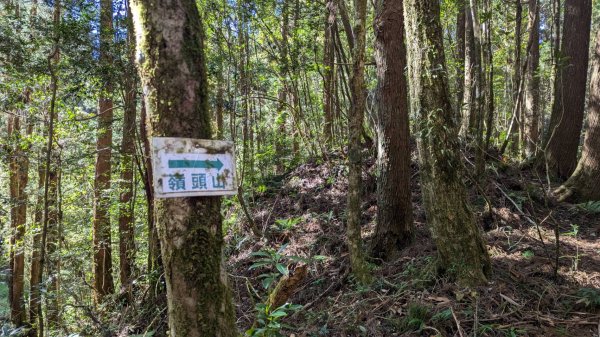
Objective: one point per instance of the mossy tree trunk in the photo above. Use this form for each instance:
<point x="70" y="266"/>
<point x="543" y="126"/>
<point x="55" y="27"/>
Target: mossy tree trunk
<point x="126" y="228"/>
<point x="584" y="184"/>
<point x="394" y="229"/>
<point x="169" y="37"/>
<point x="461" y="249"/>
<point x="355" y="127"/>
<point x="461" y="19"/>
<point x="564" y="132"/>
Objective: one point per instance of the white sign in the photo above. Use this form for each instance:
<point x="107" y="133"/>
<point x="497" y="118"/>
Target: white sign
<point x="185" y="167"/>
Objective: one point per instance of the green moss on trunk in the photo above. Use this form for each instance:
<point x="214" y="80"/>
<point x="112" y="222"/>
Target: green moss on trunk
<point x="172" y="69"/>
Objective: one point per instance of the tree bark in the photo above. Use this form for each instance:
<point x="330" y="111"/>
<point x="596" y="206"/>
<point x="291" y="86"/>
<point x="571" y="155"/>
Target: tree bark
<point x="282" y="96"/>
<point x="470" y="82"/>
<point x="53" y="245"/>
<point x="126" y="228"/>
<point x="461" y="249"/>
<point x="460" y="53"/>
<point x="49" y="171"/>
<point x="394" y="229"/>
<point x="173" y="72"/>
<point x="489" y="77"/>
<point x="155" y="268"/>
<point x="515" y="132"/>
<point x="564" y="132"/>
<point x="328" y="71"/>
<point x="584" y="184"/>
<point x="355" y="127"/>
<point x="532" y="89"/>
<point x="103" y="280"/>
<point x="18" y="177"/>
<point x="35" y="279"/>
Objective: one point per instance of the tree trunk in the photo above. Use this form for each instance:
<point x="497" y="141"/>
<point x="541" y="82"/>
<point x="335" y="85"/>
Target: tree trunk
<point x="328" y="71"/>
<point x="394" y="229"/>
<point x="460" y="53"/>
<point x="154" y="258"/>
<point x="478" y="115"/>
<point x="461" y="249"/>
<point x="282" y="96"/>
<point x="355" y="127"/>
<point x="584" y="184"/>
<point x="103" y="280"/>
<point x="35" y="279"/>
<point x="18" y="177"/>
<point x="220" y="105"/>
<point x="126" y="227"/>
<point x="516" y="80"/>
<point x="53" y="245"/>
<point x="190" y="229"/>
<point x="470" y="82"/>
<point x="35" y="276"/>
<point x="564" y="132"/>
<point x="532" y="89"/>
<point x="49" y="201"/>
<point x="489" y="77"/>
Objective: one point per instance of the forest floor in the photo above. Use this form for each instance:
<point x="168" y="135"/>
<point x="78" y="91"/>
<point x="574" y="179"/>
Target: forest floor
<point x="528" y="293"/>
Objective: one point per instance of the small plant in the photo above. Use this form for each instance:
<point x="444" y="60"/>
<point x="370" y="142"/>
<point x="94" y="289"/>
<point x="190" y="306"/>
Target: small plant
<point x="589" y="297"/>
<point x="574" y="233"/>
<point x="415" y="319"/>
<point x="590" y="206"/>
<point x="287" y="224"/>
<point x="528" y="254"/>
<point x="268" y="322"/>
<point x="275" y="261"/>
<point x="261" y="189"/>
<point x="442" y="316"/>
<point x="485" y="329"/>
<point x="512" y="332"/>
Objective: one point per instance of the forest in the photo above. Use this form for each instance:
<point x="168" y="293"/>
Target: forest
<point x="369" y="168"/>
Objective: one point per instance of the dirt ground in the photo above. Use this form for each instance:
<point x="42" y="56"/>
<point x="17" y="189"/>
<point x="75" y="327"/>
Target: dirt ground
<point x="537" y="288"/>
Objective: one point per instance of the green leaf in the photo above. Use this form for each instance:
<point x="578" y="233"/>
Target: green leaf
<point x="260" y="253"/>
<point x="283" y="269"/>
<point x="319" y="258"/>
<point x="266" y="282"/>
<point x="278" y="313"/>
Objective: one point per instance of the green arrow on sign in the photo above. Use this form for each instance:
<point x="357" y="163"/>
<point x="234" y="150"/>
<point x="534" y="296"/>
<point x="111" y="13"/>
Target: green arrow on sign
<point x="205" y="164"/>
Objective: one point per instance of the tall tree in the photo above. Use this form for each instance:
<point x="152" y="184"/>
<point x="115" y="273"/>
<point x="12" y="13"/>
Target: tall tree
<point x="18" y="177"/>
<point x="468" y="111"/>
<point x="460" y="53"/>
<point x="328" y="71"/>
<point x="460" y="246"/>
<point x="531" y="113"/>
<point x="49" y="219"/>
<point x="103" y="280"/>
<point x="126" y="229"/>
<point x="35" y="276"/>
<point x="584" y="184"/>
<point x="282" y="95"/>
<point x="394" y="228"/>
<point x="355" y="127"/>
<point x="190" y="229"/>
<point x="564" y="132"/>
<point x="516" y="123"/>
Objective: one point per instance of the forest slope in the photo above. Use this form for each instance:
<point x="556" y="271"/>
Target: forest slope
<point x="304" y="213"/>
